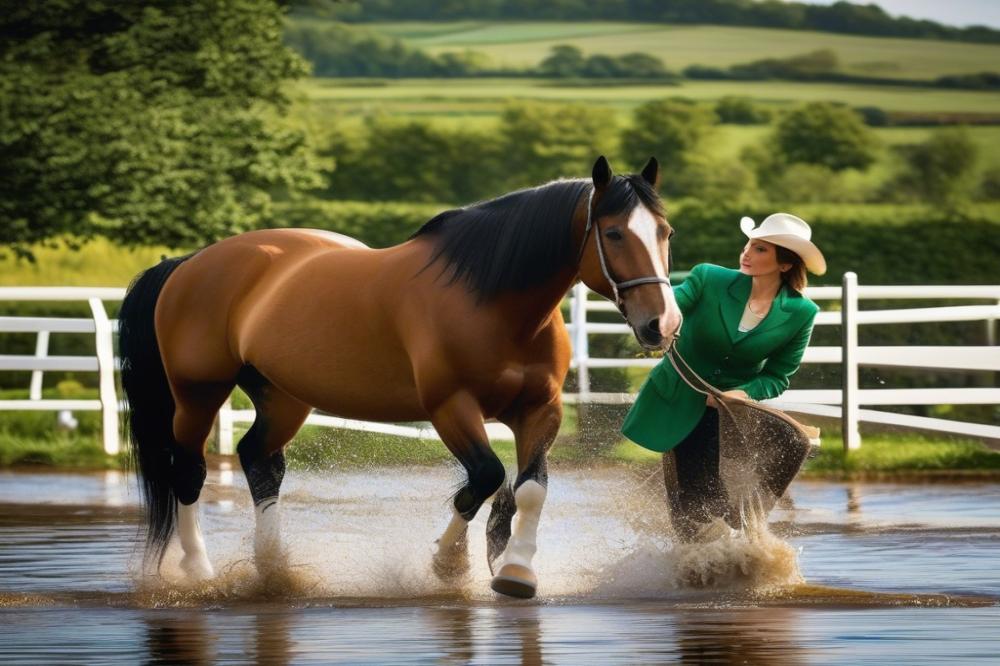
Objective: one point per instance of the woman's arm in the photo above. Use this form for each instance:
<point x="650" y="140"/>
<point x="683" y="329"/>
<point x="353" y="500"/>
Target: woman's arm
<point x="773" y="379"/>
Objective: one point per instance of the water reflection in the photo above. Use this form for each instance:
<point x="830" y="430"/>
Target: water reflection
<point x="740" y="637"/>
<point x="178" y="639"/>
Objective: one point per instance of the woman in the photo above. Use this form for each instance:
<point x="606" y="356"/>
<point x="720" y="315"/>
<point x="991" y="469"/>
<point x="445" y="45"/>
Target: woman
<point x="744" y="332"/>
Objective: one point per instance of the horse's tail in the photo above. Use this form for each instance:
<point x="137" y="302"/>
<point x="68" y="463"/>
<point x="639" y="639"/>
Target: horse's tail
<point x="498" y="526"/>
<point x="149" y="414"/>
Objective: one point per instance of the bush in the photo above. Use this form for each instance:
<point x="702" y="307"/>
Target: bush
<point x="741" y="111"/>
<point x="413" y="160"/>
<point x="989" y="185"/>
<point x="939" y="169"/>
<point x="826" y="134"/>
<point x="873" y="116"/>
<point x="672" y="130"/>
<point x="813" y="183"/>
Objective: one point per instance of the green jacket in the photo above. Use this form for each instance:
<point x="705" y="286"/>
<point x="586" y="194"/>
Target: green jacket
<point x="760" y="361"/>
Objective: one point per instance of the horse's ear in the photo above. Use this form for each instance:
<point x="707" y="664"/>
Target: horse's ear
<point x="602" y="173"/>
<point x="651" y="172"/>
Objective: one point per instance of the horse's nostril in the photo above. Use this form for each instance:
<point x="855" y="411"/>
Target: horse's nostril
<point x="653" y="325"/>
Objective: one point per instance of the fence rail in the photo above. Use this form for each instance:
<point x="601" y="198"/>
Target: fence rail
<point x="844" y="402"/>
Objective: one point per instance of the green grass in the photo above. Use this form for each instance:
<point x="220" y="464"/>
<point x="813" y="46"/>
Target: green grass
<point x="528" y="43"/>
<point x="888" y="454"/>
<point x="322" y="448"/>
<point x="485" y="97"/>
<point x="68" y="451"/>
<point x="99" y="263"/>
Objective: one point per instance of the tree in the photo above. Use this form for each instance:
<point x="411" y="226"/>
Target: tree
<point x="826" y="134"/>
<point x="148" y="122"/>
<point x="940" y="169"/>
<point x="672" y="130"/>
<point x="741" y="111"/>
<point x="563" y="60"/>
<point x="541" y="141"/>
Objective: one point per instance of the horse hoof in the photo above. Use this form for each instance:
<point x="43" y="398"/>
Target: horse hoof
<point x="197" y="568"/>
<point x="515" y="580"/>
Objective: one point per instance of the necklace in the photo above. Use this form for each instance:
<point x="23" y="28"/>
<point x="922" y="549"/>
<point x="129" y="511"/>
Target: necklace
<point x="759" y="316"/>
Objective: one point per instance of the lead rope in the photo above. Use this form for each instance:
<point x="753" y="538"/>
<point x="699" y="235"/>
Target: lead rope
<point x="708" y="389"/>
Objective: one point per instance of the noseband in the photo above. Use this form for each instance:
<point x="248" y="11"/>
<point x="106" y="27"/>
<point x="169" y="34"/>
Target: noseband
<point x="616" y="287"/>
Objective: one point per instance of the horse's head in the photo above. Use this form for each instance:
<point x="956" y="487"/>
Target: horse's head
<point x="628" y="258"/>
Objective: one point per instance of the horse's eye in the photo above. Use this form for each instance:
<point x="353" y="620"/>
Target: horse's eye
<point x="671" y="235"/>
<point x="614" y="235"/>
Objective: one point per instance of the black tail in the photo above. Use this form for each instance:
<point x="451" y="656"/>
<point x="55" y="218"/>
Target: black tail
<point x="149" y="413"/>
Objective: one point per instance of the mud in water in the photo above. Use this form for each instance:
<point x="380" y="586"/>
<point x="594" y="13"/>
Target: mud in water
<point x="837" y="569"/>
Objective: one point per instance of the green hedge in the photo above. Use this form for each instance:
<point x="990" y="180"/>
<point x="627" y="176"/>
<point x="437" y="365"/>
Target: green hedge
<point x="883" y="244"/>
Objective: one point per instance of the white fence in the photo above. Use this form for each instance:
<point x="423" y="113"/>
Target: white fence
<point x="844" y="402"/>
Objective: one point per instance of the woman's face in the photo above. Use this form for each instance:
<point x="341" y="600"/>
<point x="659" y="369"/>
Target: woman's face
<point x="759" y="259"/>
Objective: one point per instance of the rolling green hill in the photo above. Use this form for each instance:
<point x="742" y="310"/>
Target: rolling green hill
<point x="523" y="44"/>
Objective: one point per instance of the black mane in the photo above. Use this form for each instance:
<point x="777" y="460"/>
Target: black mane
<point x="523" y="238"/>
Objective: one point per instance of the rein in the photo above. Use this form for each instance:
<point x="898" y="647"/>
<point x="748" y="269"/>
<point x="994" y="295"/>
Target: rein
<point x="677" y="361"/>
<point x="616" y="287"/>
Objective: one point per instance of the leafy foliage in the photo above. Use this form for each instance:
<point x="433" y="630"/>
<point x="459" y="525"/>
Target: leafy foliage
<point x="826" y="134"/>
<point x="336" y="49"/>
<point x="672" y="130"/>
<point x="939" y="169"/>
<point x="566" y="60"/>
<point x="143" y="121"/>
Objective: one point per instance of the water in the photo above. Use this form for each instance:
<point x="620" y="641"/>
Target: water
<point x="853" y="573"/>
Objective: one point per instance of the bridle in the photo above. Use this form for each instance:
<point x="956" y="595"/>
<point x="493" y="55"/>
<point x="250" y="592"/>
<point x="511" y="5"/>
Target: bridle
<point x="616" y="287"/>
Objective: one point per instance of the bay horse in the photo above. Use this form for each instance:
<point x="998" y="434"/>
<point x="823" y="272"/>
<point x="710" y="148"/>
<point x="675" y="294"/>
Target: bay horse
<point x="457" y="325"/>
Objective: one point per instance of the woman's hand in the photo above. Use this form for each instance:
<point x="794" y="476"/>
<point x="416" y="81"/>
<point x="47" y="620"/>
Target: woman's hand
<point x="736" y="393"/>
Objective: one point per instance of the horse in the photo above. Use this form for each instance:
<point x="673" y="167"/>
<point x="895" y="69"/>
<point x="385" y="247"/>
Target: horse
<point x="457" y="325"/>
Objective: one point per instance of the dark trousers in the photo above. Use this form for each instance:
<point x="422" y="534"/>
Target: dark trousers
<point x="698" y="495"/>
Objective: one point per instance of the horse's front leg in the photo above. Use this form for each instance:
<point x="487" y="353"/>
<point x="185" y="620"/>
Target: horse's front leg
<point x="459" y="422"/>
<point x="513" y="526"/>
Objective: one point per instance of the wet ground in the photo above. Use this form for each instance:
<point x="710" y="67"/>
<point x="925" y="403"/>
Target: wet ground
<point x="849" y="573"/>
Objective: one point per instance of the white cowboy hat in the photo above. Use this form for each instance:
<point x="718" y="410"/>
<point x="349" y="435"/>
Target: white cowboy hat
<point x="789" y="232"/>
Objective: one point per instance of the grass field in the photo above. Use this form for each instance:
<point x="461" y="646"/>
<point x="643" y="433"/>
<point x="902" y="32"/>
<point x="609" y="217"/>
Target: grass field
<point x="466" y="98"/>
<point x="522" y="44"/>
<point x="99" y="263"/>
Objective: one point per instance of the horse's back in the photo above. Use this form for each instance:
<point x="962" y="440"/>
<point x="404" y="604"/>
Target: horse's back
<point x="203" y="302"/>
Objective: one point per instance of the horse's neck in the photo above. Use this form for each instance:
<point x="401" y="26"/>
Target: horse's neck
<point x="531" y="310"/>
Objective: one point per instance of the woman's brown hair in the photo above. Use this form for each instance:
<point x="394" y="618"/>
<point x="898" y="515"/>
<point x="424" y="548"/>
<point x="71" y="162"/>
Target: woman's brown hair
<point x="794" y="277"/>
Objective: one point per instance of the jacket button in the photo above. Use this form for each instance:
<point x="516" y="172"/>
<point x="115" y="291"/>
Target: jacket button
<point x="718" y="372"/>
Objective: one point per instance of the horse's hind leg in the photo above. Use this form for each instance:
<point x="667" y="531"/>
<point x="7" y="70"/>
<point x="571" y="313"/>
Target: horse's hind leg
<point x="194" y="414"/>
<point x="279" y="417"/>
<point x="511" y="548"/>
<point x="459" y="422"/>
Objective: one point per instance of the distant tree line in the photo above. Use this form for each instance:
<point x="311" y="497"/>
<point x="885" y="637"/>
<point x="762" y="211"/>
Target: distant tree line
<point x="339" y="50"/>
<point x="824" y="65"/>
<point x="840" y="17"/>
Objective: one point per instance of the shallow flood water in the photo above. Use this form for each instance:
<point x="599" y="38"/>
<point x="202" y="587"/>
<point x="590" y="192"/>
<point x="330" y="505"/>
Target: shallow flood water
<point x="853" y="573"/>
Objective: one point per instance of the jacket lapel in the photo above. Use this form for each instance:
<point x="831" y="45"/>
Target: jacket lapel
<point x="781" y="310"/>
<point x="731" y="305"/>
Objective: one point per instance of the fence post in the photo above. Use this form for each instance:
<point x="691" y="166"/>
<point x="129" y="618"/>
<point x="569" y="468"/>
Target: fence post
<point x="41" y="351"/>
<point x="106" y="366"/>
<point x="991" y="331"/>
<point x="849" y="362"/>
<point x="581" y="353"/>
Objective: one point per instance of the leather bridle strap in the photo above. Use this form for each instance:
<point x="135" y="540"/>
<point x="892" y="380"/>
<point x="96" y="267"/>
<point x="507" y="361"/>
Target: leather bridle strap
<point x="616" y="287"/>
